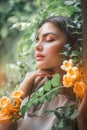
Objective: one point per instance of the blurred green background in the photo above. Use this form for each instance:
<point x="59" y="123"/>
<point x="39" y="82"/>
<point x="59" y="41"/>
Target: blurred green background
<point x="11" y="12"/>
<point x="18" y="23"/>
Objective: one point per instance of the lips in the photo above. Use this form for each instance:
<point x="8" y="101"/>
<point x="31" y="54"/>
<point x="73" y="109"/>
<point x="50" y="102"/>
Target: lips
<point x="39" y="56"/>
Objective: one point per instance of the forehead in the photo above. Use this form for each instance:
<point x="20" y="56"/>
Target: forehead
<point x="49" y="28"/>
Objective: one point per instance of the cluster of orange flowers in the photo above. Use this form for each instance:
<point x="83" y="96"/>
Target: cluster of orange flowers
<point x="10" y="107"/>
<point x="73" y="78"/>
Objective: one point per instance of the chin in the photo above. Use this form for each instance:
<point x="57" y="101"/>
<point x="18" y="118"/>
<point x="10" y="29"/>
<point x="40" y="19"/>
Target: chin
<point x="41" y="66"/>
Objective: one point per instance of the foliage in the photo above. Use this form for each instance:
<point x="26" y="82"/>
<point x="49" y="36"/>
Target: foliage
<point x="11" y="12"/>
<point x="76" y="55"/>
<point x="17" y="15"/>
<point x="65" y="119"/>
<point x="45" y="93"/>
<point x="25" y="58"/>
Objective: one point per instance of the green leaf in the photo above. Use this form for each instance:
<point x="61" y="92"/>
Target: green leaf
<point x="23" y="110"/>
<point x="56" y="91"/>
<point x="29" y="103"/>
<point x="48" y="96"/>
<point x="65" y="53"/>
<point x="16" y="25"/>
<point x="74" y="115"/>
<point x="68" y="2"/>
<point x="4" y="32"/>
<point x="34" y="95"/>
<point x="39" y="94"/>
<point x="42" y="99"/>
<point x="35" y="102"/>
<point x="67" y="46"/>
<point x="67" y="112"/>
<point x="61" y="124"/>
<point x="47" y="86"/>
<point x="57" y="114"/>
<point x="56" y="80"/>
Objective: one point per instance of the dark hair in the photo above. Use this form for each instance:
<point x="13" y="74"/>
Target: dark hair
<point x="65" y="25"/>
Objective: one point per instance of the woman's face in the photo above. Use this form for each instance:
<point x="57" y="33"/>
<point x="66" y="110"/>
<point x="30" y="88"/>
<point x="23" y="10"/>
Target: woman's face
<point x="50" y="43"/>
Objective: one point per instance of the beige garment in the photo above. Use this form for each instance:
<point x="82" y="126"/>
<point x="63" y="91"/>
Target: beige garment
<point x="40" y="121"/>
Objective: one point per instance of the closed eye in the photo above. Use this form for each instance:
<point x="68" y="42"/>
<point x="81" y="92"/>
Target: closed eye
<point x="50" y="40"/>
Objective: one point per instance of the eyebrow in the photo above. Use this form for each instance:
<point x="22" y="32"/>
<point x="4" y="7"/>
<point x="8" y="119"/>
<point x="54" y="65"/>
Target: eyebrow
<point x="49" y="33"/>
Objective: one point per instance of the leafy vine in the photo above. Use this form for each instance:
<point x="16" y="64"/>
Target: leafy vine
<point x="45" y="93"/>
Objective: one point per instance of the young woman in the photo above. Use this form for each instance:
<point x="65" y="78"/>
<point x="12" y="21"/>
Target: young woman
<point x="53" y="34"/>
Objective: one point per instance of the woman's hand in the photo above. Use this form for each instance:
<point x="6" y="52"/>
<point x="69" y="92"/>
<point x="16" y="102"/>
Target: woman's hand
<point x="30" y="78"/>
<point x="8" y="125"/>
<point x="82" y="118"/>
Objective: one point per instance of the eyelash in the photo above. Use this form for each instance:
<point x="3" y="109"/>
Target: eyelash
<point x="50" y="40"/>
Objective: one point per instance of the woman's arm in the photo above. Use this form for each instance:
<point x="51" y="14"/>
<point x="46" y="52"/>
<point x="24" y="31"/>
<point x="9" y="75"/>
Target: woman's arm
<point x="82" y="118"/>
<point x="8" y="126"/>
<point x="30" y="78"/>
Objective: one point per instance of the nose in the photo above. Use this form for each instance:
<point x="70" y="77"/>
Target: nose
<point x="39" y="46"/>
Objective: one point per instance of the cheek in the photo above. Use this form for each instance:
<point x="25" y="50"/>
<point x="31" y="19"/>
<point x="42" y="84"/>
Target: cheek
<point x="55" y="49"/>
<point x="53" y="52"/>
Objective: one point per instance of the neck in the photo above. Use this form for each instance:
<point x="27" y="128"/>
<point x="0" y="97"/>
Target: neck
<point x="57" y="70"/>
